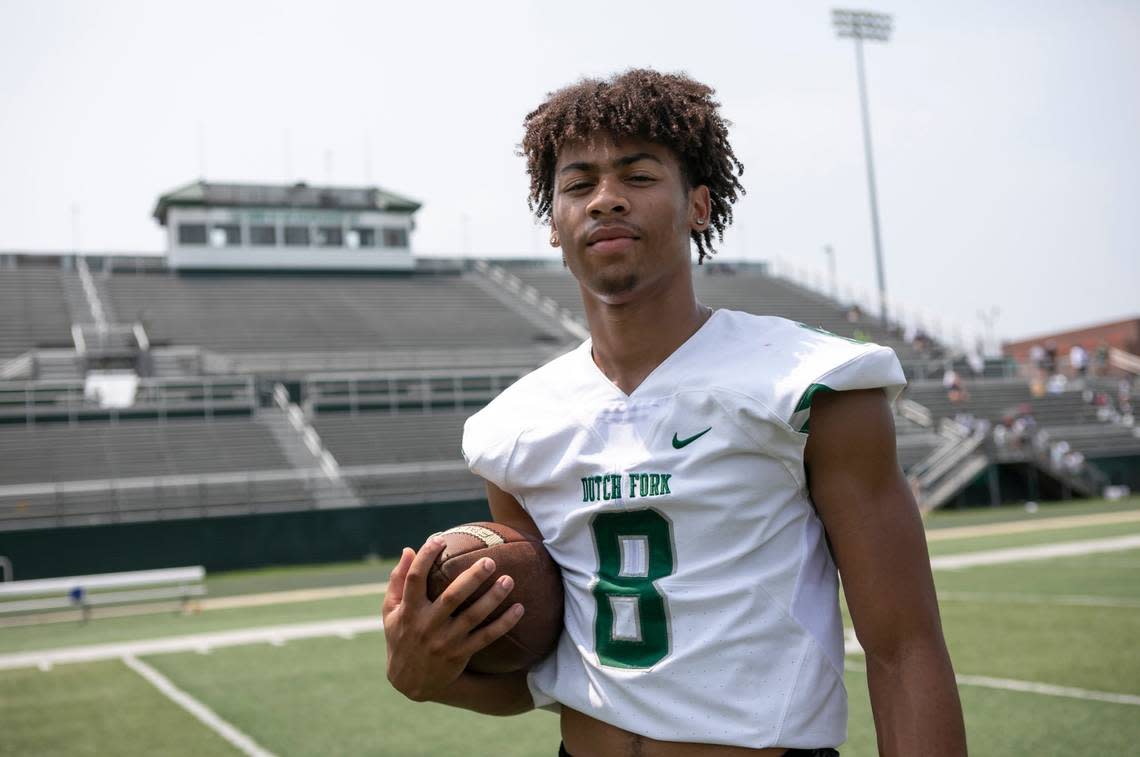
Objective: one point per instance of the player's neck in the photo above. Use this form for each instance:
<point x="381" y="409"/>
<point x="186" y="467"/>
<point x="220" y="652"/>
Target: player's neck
<point x="632" y="339"/>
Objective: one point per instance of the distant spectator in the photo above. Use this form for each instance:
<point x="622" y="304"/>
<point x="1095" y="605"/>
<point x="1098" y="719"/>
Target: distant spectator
<point x="1056" y="384"/>
<point x="921" y="342"/>
<point x="1057" y="453"/>
<point x="1037" y="357"/>
<point x="952" y="383"/>
<point x="1024" y="425"/>
<point x="1049" y="364"/>
<point x="1001" y="433"/>
<point x="1100" y="359"/>
<point x="1074" y="461"/>
<point x="1078" y="361"/>
<point x="1124" y="396"/>
<point x="977" y="363"/>
<point x="854" y="314"/>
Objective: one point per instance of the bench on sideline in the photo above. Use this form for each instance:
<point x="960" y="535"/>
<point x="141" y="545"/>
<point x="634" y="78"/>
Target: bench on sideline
<point x="101" y="589"/>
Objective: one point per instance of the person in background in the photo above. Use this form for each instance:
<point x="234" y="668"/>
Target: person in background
<point x="1100" y="361"/>
<point x="1078" y="361"/>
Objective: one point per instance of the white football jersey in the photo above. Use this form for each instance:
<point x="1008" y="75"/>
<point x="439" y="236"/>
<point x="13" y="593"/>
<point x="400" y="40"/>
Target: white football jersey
<point x="701" y="596"/>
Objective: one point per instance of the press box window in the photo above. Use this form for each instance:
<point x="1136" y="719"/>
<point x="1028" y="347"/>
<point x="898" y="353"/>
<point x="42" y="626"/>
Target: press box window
<point x="263" y="236"/>
<point x="297" y="236"/>
<point x="225" y="235"/>
<point x="330" y="236"/>
<point x="191" y="233"/>
<point x="360" y="236"/>
<point x="395" y="237"/>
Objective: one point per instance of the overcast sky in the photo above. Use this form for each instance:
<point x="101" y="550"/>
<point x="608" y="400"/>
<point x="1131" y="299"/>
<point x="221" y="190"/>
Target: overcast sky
<point x="1005" y="134"/>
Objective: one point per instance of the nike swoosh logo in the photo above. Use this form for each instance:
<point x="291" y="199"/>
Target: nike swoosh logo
<point x="679" y="443"/>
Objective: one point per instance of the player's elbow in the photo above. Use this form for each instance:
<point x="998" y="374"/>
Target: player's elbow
<point x="902" y="645"/>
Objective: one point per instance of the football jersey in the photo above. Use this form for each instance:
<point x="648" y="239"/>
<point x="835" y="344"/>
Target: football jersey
<point x="701" y="599"/>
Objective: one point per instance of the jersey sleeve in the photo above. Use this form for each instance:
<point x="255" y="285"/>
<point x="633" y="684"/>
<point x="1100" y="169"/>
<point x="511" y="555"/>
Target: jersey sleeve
<point x="488" y="446"/>
<point x="828" y="363"/>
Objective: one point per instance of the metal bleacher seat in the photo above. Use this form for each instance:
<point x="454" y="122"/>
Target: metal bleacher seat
<point x="32" y="311"/>
<point x="100" y="449"/>
<point x="379" y="437"/>
<point x="318" y="312"/>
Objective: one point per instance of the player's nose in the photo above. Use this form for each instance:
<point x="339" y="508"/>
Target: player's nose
<point x="608" y="199"/>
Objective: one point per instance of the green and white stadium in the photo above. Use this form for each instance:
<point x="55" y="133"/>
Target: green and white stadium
<point x="209" y="459"/>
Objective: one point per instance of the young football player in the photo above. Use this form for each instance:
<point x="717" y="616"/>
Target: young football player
<point x="699" y="476"/>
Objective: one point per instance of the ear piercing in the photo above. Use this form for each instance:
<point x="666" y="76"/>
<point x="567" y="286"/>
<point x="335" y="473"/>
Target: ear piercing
<point x="701" y="221"/>
<point x="554" y="239"/>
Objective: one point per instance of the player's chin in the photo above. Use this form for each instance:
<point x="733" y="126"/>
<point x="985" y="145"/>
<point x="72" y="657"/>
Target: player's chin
<point x="615" y="288"/>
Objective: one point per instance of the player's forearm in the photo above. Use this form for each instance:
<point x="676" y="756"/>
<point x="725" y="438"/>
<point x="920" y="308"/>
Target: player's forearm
<point x="503" y="694"/>
<point x="914" y="698"/>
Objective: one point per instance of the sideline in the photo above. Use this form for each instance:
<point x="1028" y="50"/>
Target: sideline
<point x="1027" y="526"/>
<point x="294" y="595"/>
<point x="200" y="711"/>
<point x="1036" y="552"/>
<point x="1072" y="600"/>
<point x="200" y="642"/>
<point x="1031" y="687"/>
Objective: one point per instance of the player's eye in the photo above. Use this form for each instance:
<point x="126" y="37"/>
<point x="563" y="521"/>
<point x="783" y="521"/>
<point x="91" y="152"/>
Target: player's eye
<point x="575" y="186"/>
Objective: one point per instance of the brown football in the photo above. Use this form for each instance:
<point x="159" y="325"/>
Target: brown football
<point x="538" y="587"/>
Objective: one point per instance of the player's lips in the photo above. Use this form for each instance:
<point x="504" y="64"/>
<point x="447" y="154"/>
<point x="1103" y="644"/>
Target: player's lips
<point x="612" y="238"/>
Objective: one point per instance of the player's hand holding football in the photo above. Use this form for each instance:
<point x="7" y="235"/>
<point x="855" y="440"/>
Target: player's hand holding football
<point x="428" y="648"/>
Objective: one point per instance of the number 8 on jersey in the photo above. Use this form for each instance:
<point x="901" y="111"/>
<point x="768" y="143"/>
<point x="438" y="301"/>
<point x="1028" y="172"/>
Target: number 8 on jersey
<point x="635" y="549"/>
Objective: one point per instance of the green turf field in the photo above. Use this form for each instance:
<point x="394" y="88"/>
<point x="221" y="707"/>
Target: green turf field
<point x="1066" y="622"/>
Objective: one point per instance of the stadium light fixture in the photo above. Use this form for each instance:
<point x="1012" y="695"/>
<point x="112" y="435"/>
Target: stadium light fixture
<point x="876" y="27"/>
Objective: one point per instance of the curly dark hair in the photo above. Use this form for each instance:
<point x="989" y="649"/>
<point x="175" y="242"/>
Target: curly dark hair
<point x="668" y="109"/>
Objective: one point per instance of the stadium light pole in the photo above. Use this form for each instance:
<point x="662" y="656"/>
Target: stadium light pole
<point x="876" y="27"/>
<point x="830" y="253"/>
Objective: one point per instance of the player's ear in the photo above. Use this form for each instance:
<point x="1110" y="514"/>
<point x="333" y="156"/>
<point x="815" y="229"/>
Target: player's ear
<point x="700" y="208"/>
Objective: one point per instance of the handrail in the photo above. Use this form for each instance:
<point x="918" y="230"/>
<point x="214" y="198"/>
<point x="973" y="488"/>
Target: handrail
<point x="141" y="337"/>
<point x="915" y="412"/>
<point x="312" y="440"/>
<point x="17" y="366"/>
<point x="954" y="455"/>
<point x="1125" y="361"/>
<point x="78" y="338"/>
<point x="92" y="294"/>
<point x="530" y="294"/>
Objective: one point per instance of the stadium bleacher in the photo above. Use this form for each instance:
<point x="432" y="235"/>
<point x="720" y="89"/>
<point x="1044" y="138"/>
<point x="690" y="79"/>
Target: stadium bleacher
<point x="33" y="313"/>
<point x="368" y="438"/>
<point x="137" y="447"/>
<point x="1067" y="415"/>
<point x="289" y="392"/>
<point x="317" y="312"/>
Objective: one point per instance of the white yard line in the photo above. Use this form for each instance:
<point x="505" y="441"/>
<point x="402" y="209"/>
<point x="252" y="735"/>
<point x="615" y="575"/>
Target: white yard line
<point x="1031" y="687"/>
<point x="1035" y="552"/>
<point x="288" y="597"/>
<point x="1078" y="600"/>
<point x="1025" y="526"/>
<point x="208" y="717"/>
<point x="1048" y="689"/>
<point x="202" y="642"/>
<point x="208" y="603"/>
